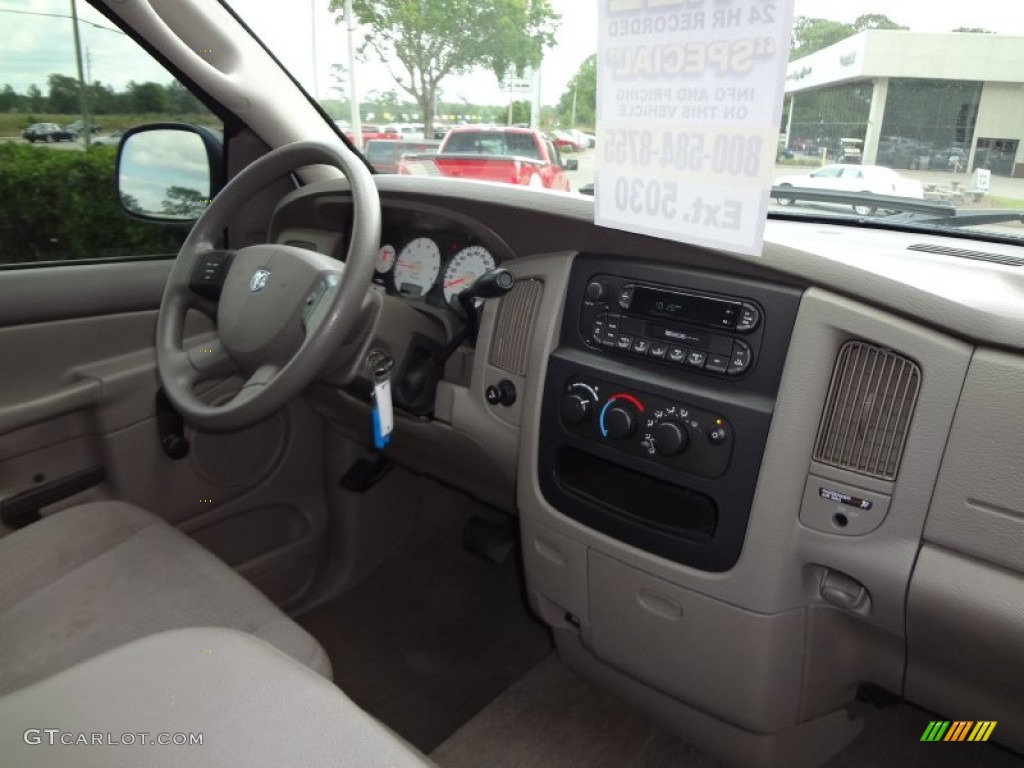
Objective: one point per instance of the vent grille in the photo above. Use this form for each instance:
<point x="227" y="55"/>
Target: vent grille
<point x="964" y="253"/>
<point x="515" y="323"/>
<point x="867" y="414"/>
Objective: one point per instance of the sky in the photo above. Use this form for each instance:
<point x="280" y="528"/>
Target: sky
<point x="32" y="46"/>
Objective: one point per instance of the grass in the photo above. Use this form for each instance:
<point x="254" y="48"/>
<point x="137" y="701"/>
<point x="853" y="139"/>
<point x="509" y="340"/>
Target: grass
<point x="800" y="161"/>
<point x="14" y="124"/>
<point x="1004" y="202"/>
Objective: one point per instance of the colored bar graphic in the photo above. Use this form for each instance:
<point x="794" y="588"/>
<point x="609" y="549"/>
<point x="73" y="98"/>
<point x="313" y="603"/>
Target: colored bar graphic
<point x="982" y="730"/>
<point x="935" y="731"/>
<point x="959" y="730"/>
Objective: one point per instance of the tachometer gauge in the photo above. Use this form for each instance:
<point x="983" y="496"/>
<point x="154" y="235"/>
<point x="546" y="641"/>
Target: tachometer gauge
<point x="464" y="269"/>
<point x="417" y="268"/>
<point x="385" y="260"/>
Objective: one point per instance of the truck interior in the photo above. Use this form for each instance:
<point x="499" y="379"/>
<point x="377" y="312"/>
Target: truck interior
<point x="645" y="503"/>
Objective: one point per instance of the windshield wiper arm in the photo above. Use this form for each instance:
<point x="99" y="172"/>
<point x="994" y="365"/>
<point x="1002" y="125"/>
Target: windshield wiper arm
<point x="887" y="202"/>
<point x="966" y="218"/>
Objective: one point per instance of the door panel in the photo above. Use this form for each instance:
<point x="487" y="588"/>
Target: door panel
<point x="79" y="392"/>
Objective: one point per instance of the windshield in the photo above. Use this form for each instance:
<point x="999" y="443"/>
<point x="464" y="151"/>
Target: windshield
<point x="906" y="115"/>
<point x="914" y="102"/>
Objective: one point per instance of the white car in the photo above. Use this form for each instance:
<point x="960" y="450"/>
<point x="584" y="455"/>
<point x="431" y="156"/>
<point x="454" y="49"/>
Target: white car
<point x="841" y="177"/>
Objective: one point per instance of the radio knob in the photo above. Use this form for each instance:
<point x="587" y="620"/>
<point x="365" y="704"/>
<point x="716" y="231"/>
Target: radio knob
<point x="575" y="409"/>
<point x="619" y="422"/>
<point x="670" y="438"/>
<point x="597" y="291"/>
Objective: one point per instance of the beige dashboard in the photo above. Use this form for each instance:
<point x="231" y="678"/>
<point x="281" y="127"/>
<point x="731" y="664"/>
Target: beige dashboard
<point x="759" y="661"/>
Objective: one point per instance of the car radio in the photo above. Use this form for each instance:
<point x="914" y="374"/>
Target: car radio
<point x="694" y="330"/>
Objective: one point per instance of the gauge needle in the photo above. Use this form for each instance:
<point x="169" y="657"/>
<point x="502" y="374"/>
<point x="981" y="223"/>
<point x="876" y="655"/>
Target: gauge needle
<point x="455" y="282"/>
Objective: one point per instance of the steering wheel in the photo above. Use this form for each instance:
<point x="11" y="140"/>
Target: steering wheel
<point x="282" y="312"/>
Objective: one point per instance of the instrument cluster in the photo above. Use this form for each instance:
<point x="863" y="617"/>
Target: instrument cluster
<point x="434" y="267"/>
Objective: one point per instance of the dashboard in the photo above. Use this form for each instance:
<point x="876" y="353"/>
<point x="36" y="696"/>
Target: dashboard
<point x="724" y="468"/>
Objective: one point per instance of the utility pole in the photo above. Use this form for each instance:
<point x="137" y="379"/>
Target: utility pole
<point x="354" y="118"/>
<point x="83" y="99"/>
<point x="312" y="33"/>
<point x="572" y="122"/>
<point x="535" y="99"/>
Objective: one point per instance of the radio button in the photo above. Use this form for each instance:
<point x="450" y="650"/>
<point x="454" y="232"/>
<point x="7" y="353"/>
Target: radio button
<point x="697" y="359"/>
<point x="717" y="364"/>
<point x="749" y="318"/>
<point x="626" y="296"/>
<point x="658" y="349"/>
<point x="624" y="342"/>
<point x="741" y="358"/>
<point x="640" y="346"/>
<point x="676" y="354"/>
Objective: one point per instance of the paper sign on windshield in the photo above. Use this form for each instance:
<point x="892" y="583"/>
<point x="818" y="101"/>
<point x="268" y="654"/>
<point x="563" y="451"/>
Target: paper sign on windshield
<point x="689" y="106"/>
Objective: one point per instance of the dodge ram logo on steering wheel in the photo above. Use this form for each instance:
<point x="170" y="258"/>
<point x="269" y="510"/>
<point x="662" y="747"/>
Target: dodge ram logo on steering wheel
<point x="259" y="280"/>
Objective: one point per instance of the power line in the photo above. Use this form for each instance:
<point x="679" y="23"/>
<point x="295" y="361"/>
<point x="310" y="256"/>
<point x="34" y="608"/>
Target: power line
<point x="61" y="16"/>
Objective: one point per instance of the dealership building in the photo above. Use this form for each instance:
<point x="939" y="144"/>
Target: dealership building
<point x="923" y="101"/>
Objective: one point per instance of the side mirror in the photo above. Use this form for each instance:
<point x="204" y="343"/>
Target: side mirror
<point x="571" y="165"/>
<point x="168" y="172"/>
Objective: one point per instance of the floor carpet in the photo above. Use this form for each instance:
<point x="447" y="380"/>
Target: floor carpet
<point x="434" y="633"/>
<point x="553" y="718"/>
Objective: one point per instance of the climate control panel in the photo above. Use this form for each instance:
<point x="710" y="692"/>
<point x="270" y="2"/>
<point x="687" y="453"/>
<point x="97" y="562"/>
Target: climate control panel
<point x="668" y="432"/>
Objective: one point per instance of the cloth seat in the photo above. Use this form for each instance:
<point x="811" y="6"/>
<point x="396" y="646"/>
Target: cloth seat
<point x="96" y="576"/>
<point x="250" y="705"/>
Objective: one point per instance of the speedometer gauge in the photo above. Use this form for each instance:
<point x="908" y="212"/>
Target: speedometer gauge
<point x="463" y="270"/>
<point x="385" y="260"/>
<point x="417" y="268"/>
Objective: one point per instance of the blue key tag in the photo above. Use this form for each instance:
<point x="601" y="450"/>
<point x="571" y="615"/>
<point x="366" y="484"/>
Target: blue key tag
<point x="380" y="365"/>
<point x="383" y="415"/>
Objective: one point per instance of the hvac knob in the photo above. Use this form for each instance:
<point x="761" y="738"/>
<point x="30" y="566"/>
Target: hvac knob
<point x="670" y="438"/>
<point x="619" y="422"/>
<point x="575" y="409"/>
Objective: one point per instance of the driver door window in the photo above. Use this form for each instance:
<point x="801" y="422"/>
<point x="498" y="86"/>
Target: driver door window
<point x="57" y="194"/>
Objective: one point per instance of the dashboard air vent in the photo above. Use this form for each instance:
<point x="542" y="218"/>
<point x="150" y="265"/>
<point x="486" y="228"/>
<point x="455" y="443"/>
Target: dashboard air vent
<point x="512" y="331"/>
<point x="964" y="253"/>
<point x="868" y="411"/>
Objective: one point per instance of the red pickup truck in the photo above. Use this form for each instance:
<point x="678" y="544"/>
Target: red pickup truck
<point x="507" y="155"/>
<point x="375" y="132"/>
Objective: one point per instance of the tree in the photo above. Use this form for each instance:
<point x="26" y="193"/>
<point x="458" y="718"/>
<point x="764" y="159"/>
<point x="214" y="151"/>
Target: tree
<point x="583" y="90"/>
<point x="9" y="99"/>
<point x="182" y="202"/>
<point x="180" y="100"/>
<point x="875" y="21"/>
<point x="977" y="30"/>
<point x="146" y="97"/>
<point x="811" y="35"/>
<point x="36" y="100"/>
<point x="63" y="94"/>
<point x="429" y="41"/>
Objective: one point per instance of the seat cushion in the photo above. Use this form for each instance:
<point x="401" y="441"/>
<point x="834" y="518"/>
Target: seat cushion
<point x="248" y="703"/>
<point x="96" y="576"/>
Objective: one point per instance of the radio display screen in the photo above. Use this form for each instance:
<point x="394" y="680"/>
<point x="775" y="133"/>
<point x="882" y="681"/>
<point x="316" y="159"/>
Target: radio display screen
<point x="682" y="306"/>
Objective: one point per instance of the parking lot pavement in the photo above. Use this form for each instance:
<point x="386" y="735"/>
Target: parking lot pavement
<point x="585" y="174"/>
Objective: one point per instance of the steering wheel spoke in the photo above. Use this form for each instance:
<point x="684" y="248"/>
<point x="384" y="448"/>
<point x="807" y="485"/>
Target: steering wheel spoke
<point x="211" y="359"/>
<point x="209" y="272"/>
